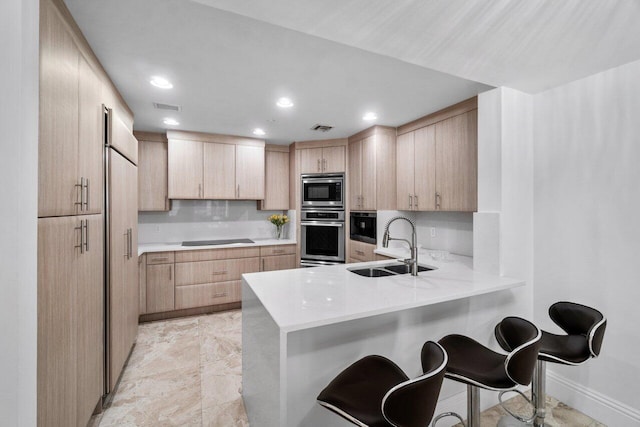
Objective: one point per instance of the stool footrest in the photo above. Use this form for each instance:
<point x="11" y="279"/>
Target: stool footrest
<point x="447" y="414"/>
<point x="527" y="420"/>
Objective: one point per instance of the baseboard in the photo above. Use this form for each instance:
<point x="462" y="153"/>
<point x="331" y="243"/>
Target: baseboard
<point x="592" y="403"/>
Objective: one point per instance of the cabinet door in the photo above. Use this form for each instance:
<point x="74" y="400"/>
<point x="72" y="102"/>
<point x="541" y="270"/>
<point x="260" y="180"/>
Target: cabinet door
<point x="425" y="169"/>
<point x="250" y="172"/>
<point x="311" y="160"/>
<point x="185" y="169"/>
<point x="279" y="262"/>
<point x="457" y="162"/>
<point x="220" y="171"/>
<point x="333" y="159"/>
<point x="90" y="137"/>
<point x="142" y="282"/>
<point x="123" y="267"/>
<point x="90" y="318"/>
<point x="57" y="344"/>
<point x="122" y="137"/>
<point x="276" y="189"/>
<point x="152" y="176"/>
<point x="368" y="199"/>
<point x="405" y="168"/>
<point x="160" y="288"/>
<point x="58" y="139"/>
<point x="355" y="175"/>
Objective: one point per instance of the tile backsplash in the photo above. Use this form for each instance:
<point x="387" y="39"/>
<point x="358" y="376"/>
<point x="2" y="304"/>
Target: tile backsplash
<point x="209" y="219"/>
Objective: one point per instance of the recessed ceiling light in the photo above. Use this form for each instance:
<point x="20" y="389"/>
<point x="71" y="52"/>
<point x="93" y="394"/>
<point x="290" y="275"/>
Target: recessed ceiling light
<point x="284" y="103"/>
<point x="170" y="122"/>
<point x="258" y="131"/>
<point x="370" y="116"/>
<point x="160" y="82"/>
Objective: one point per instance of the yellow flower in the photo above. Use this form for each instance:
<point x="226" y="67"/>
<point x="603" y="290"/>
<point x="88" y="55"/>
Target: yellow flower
<point x="278" y="220"/>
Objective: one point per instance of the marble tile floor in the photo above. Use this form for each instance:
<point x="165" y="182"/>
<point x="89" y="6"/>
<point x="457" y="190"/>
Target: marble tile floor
<point x="188" y="373"/>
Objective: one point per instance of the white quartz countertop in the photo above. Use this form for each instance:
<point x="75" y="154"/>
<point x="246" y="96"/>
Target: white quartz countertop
<point x="177" y="246"/>
<point x="311" y="297"/>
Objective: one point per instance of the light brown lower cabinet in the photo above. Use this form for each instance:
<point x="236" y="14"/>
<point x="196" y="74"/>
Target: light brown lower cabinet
<point x="70" y="319"/>
<point x="207" y="294"/>
<point x="200" y="278"/>
<point x="160" y="288"/>
<point x="361" y="252"/>
<point x="278" y="262"/>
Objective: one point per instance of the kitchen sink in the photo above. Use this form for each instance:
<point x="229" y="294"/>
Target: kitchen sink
<point x="404" y="268"/>
<point x="386" y="270"/>
<point x="371" y="272"/>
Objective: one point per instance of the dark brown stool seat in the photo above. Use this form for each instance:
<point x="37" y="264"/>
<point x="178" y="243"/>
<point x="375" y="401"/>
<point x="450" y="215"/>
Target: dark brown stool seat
<point x="584" y="327"/>
<point x="375" y="392"/>
<point x="477" y="366"/>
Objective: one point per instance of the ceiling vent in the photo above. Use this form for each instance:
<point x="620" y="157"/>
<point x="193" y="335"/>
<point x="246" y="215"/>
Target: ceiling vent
<point x="159" y="106"/>
<point x="321" y="128"/>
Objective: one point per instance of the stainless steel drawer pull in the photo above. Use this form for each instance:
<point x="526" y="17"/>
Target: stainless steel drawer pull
<point x="159" y="259"/>
<point x="319" y="166"/>
<point x="410" y="201"/>
<point x="437" y="200"/>
<point x="170" y="272"/>
<point x="81" y="245"/>
<point x="220" y="295"/>
<point x="126" y="244"/>
<point x="86" y="200"/>
<point x="217" y="273"/>
<point x="81" y="202"/>
<point x="86" y="234"/>
<point x="416" y="197"/>
<point x="359" y="252"/>
<point x="278" y="251"/>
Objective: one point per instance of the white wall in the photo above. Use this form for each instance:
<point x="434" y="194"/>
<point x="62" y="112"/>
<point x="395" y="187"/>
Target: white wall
<point x="587" y="231"/>
<point x="18" y="210"/>
<point x="209" y="219"/>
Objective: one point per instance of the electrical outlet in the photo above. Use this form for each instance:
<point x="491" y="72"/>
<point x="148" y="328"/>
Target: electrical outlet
<point x="433" y="232"/>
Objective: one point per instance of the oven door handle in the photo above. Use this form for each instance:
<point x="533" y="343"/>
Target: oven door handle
<point x="322" y="224"/>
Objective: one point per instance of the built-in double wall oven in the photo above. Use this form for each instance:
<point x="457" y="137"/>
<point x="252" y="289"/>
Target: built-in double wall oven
<point x="322" y="227"/>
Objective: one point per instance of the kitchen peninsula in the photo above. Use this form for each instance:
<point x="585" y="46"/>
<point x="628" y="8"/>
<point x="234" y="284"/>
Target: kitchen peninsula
<point x="302" y="327"/>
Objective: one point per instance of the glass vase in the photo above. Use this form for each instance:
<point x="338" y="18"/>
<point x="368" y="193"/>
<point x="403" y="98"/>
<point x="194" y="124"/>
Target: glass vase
<point x="279" y="231"/>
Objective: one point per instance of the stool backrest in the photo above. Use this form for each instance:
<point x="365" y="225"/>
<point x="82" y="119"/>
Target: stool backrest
<point x="412" y="403"/>
<point x="578" y="319"/>
<point x="522" y="339"/>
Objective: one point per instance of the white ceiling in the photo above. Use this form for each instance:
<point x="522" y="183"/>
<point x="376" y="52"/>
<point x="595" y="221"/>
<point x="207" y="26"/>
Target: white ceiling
<point x="230" y="60"/>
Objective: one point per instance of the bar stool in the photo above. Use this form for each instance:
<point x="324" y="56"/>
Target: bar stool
<point x="375" y="392"/>
<point x="584" y="327"/>
<point x="477" y="366"/>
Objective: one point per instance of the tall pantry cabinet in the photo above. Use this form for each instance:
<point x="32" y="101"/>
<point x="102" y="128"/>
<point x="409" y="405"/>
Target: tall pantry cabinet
<point x="71" y="221"/>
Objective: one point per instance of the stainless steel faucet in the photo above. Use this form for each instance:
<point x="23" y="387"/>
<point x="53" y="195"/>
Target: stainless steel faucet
<point x="413" y="261"/>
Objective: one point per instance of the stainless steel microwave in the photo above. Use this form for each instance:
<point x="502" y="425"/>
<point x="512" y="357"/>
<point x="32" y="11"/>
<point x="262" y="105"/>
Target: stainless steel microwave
<point x="322" y="191"/>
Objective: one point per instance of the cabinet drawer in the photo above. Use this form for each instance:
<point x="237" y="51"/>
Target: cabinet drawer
<point x="362" y="251"/>
<point x="207" y="294"/>
<point x="277" y="250"/>
<point x="279" y="262"/>
<point x="160" y="258"/>
<point x="194" y="273"/>
<point x="213" y="254"/>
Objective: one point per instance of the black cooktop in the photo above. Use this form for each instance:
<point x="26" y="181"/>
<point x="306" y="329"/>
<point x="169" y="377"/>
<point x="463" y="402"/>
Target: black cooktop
<point x="216" y="242"/>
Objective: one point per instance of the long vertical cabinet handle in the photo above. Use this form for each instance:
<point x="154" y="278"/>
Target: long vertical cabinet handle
<point x="130" y="243"/>
<point x="126" y="244"/>
<point x="170" y="272"/>
<point x="410" y="201"/>
<point x="86" y="199"/>
<point x="81" y="228"/>
<point x="324" y="165"/>
<point x="86" y="235"/>
<point x="437" y="200"/>
<point x="81" y="202"/>
<point x="319" y="170"/>
<point x="416" y="197"/>
<point x="238" y="191"/>
<point x="262" y="264"/>
<point x="199" y="190"/>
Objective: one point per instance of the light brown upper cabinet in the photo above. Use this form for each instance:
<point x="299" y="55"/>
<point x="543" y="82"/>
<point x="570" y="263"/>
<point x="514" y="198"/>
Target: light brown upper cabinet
<point x="185" y="169"/>
<point x="372" y="169"/>
<point x="71" y="144"/>
<point x="322" y="160"/>
<point x="437" y="163"/>
<point x="152" y="172"/>
<point x="276" y="190"/>
<point x="208" y="166"/>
